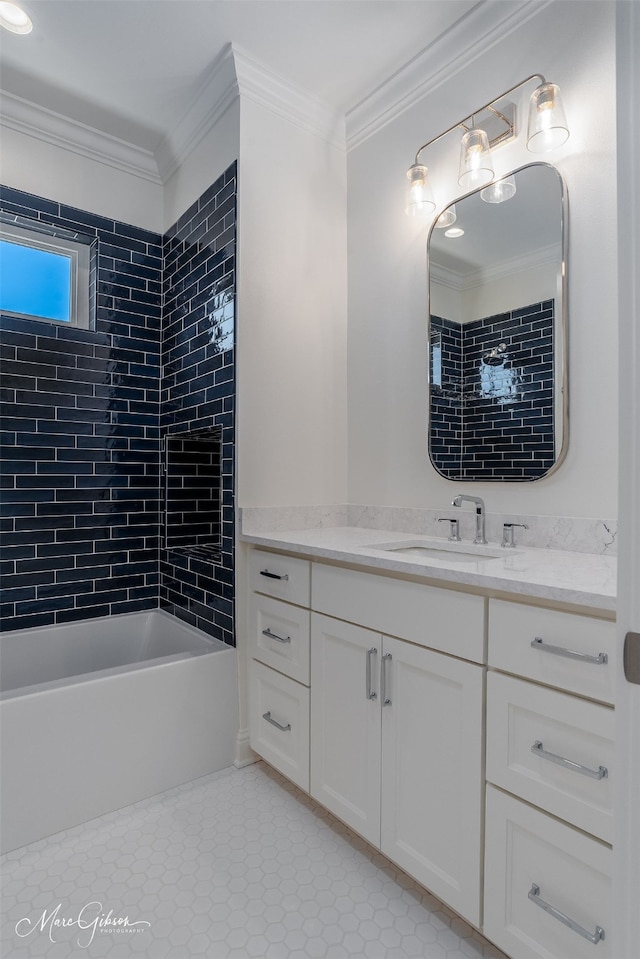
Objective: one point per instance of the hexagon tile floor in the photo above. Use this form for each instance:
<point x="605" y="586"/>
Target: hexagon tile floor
<point x="237" y="865"/>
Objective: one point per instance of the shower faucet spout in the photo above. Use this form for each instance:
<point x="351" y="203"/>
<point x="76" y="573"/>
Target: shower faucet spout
<point x="479" y="505"/>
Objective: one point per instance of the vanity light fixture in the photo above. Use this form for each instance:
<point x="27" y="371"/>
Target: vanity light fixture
<point x="484" y="129"/>
<point x="547" y="123"/>
<point x="476" y="165"/>
<point x="420" y="200"/>
<point x="447" y="218"/>
<point x="14" y="18"/>
<point x="499" y="190"/>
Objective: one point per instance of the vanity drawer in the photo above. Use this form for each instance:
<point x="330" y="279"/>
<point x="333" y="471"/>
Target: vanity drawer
<point x="279" y="636"/>
<point x="590" y="670"/>
<point x="521" y="715"/>
<point x="285" y="577"/>
<point x="438" y="618"/>
<point x="279" y="722"/>
<point x="529" y="854"/>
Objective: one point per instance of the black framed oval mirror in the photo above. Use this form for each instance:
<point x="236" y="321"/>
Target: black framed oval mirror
<point x="497" y="331"/>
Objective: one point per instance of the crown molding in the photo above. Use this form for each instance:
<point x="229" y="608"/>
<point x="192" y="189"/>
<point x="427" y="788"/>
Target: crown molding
<point x="234" y="73"/>
<point x="28" y="118"/>
<point x="472" y="279"/>
<point x="486" y="24"/>
<point x="261" y="85"/>
<point x="214" y="96"/>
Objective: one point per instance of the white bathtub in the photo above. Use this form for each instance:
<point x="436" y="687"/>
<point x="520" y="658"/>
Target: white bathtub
<point x="99" y="714"/>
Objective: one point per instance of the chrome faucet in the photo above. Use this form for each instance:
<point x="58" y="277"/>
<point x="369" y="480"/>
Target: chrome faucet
<point x="479" y="504"/>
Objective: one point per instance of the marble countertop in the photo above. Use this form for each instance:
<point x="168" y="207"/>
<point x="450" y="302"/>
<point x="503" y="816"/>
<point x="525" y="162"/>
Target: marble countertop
<point x="582" y="579"/>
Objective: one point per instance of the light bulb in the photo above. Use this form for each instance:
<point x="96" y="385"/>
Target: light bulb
<point x="476" y="168"/>
<point x="419" y="200"/>
<point x="547" y="123"/>
<point x="499" y="190"/>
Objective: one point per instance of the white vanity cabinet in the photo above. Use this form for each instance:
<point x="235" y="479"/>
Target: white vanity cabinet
<point x="550" y="773"/>
<point x="279" y="662"/>
<point x="469" y="737"/>
<point x="396" y="727"/>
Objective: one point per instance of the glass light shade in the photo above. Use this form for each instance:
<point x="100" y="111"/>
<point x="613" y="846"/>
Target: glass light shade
<point x="499" y="190"/>
<point x="13" y="18"/>
<point x="476" y="167"/>
<point x="547" y="123"/>
<point x="447" y="218"/>
<point x="454" y="233"/>
<point x="419" y="200"/>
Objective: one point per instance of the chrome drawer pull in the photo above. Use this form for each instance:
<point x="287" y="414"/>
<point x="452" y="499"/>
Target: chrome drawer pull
<point x="279" y="639"/>
<point x="370" y="693"/>
<point x="598" y="660"/>
<point x="600" y="773"/>
<point x="265" y="572"/>
<point x="383" y="692"/>
<point x="283" y="729"/>
<point x="594" y="937"/>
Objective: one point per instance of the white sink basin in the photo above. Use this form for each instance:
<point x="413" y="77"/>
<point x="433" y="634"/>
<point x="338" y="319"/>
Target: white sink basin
<point x="437" y="549"/>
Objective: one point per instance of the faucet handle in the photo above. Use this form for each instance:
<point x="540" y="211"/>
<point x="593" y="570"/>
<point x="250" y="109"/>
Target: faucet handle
<point x="454" y="528"/>
<point x="507" y="533"/>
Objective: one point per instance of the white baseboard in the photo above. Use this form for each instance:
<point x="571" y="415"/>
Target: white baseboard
<point x="244" y="753"/>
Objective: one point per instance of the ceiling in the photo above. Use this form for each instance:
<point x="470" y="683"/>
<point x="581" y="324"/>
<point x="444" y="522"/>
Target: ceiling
<point x="131" y="68"/>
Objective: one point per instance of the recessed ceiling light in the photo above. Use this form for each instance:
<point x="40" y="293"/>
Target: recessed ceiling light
<point x="13" y="18"/>
<point x="454" y="231"/>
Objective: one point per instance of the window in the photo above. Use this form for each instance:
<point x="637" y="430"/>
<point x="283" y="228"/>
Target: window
<point x="44" y="276"/>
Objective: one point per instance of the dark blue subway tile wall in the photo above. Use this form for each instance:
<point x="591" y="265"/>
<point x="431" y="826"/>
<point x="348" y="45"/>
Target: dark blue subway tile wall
<point x="83" y="412"/>
<point x="198" y="392"/>
<point x="499" y="399"/>
<point x="192" y="507"/>
<point x="80" y="435"/>
<point x="445" y="428"/>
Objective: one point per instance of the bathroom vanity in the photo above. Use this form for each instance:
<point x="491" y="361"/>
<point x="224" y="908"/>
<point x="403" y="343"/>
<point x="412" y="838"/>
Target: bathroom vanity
<point x="454" y="709"/>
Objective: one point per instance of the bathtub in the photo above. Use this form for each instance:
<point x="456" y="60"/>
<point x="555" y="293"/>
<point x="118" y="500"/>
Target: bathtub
<point x="100" y="714"/>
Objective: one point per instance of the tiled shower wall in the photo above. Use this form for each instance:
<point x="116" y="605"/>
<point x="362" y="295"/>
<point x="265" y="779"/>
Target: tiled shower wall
<point x="495" y="422"/>
<point x="198" y="388"/>
<point x="80" y="437"/>
<point x="81" y="506"/>
<point x="445" y="420"/>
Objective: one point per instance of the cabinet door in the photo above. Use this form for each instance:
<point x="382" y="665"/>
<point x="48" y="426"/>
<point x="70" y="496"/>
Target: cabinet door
<point x="345" y="723"/>
<point x="432" y="772"/>
<point x="547" y="886"/>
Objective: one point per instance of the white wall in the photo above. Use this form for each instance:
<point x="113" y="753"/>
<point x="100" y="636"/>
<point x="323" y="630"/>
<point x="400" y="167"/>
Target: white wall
<point x="51" y="171"/>
<point x="217" y="150"/>
<point x="572" y="44"/>
<point x="463" y="305"/>
<point x="292" y="415"/>
<point x="511" y="292"/>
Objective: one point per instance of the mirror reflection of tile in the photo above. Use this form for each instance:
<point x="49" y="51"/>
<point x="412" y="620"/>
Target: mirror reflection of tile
<point x="492" y="395"/>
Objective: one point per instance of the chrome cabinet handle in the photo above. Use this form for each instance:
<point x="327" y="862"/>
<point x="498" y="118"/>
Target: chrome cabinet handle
<point x="600" y="773"/>
<point x="370" y="692"/>
<point x="599" y="660"/>
<point x="279" y="639"/>
<point x="594" y="937"/>
<point x="265" y="572"/>
<point x="386" y="659"/>
<point x="283" y="729"/>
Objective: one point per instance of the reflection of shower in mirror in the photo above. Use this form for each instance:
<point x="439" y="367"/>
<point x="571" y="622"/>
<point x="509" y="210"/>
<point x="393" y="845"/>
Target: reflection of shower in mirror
<point x="496" y="356"/>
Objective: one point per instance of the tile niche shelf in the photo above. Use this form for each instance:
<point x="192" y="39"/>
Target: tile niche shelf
<point x="192" y="500"/>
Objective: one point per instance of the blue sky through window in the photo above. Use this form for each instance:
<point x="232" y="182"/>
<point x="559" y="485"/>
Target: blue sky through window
<point x="33" y="281"/>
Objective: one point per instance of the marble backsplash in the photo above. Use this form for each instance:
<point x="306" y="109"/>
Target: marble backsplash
<point x="545" y="532"/>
